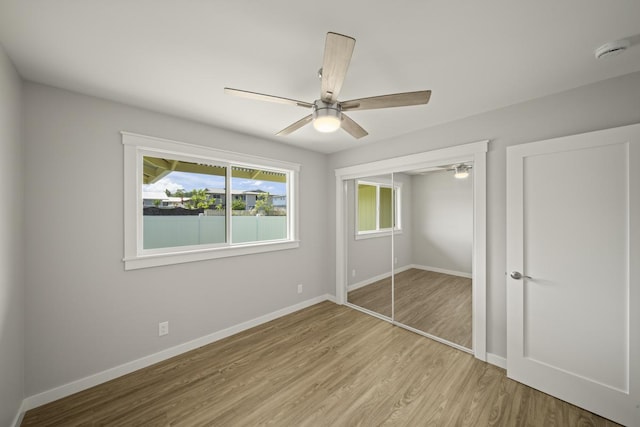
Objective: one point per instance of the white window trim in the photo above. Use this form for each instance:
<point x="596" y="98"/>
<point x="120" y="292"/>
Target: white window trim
<point x="135" y="257"/>
<point x="375" y="234"/>
<point x="397" y="215"/>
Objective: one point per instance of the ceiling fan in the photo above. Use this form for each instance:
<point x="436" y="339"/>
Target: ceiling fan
<point x="328" y="113"/>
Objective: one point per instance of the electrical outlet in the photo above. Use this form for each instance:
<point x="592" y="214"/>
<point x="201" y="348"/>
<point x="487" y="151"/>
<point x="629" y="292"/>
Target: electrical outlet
<point x="353" y="273"/>
<point x="396" y="260"/>
<point x="300" y="288"/>
<point x="163" y="328"/>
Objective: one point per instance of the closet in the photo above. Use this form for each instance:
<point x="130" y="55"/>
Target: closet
<point x="410" y="243"/>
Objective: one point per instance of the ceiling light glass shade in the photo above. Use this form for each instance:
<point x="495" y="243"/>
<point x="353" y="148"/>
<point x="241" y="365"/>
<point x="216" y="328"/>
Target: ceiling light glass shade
<point x="326" y="117"/>
<point x="326" y="124"/>
<point x="461" y="172"/>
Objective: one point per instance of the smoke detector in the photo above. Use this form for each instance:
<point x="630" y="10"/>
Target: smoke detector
<point x="611" y="49"/>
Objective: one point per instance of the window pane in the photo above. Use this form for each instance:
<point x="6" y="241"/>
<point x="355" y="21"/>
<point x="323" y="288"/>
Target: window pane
<point x="366" y="207"/>
<point x="386" y="207"/>
<point x="183" y="203"/>
<point x="259" y="205"/>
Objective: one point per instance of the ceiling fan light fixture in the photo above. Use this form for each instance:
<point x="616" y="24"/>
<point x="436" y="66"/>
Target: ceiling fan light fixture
<point x="326" y="117"/>
<point x="327" y="111"/>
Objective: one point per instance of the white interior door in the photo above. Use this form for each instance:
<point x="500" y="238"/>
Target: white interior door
<point x="573" y="234"/>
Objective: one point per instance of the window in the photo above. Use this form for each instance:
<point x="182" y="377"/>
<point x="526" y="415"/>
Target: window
<point x="375" y="208"/>
<point x="187" y="203"/>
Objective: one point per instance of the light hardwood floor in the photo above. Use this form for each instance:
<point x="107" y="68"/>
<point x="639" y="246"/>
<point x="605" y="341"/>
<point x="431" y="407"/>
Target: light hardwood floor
<point x="436" y="303"/>
<point x="326" y="365"/>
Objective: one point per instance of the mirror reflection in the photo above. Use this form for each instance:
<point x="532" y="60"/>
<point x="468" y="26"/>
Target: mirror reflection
<point x="370" y="214"/>
<point x="434" y="294"/>
<point x="430" y="253"/>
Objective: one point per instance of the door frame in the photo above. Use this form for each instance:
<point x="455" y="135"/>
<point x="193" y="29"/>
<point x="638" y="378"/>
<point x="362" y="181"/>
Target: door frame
<point x="475" y="152"/>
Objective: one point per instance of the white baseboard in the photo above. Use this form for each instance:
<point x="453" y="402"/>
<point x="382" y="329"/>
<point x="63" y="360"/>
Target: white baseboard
<point x="367" y="282"/>
<point x="496" y="360"/>
<point x="126" y="368"/>
<point x="19" y="416"/>
<point x="374" y="279"/>
<point x="443" y="270"/>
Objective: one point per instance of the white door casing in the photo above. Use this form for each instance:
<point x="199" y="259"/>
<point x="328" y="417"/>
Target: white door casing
<point x="573" y="219"/>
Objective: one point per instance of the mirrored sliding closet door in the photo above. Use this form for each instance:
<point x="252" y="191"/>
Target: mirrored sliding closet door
<point x="409" y="246"/>
<point x="433" y="277"/>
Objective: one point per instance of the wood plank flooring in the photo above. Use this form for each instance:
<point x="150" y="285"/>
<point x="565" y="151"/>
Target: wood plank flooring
<point x="436" y="303"/>
<point x="326" y="365"/>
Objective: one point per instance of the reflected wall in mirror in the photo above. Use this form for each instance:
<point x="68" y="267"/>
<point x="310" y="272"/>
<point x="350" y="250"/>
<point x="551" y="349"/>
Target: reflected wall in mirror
<point x="370" y="216"/>
<point x="434" y="293"/>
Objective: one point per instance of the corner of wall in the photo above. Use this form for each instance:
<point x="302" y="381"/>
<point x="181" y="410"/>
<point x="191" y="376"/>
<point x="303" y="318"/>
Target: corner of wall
<point x="12" y="255"/>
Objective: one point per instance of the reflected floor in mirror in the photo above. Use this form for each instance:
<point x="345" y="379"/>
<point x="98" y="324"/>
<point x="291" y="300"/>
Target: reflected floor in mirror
<point x="436" y="303"/>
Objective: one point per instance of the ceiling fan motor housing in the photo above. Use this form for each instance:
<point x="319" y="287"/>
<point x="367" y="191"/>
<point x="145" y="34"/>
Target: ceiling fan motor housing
<point x="326" y="116"/>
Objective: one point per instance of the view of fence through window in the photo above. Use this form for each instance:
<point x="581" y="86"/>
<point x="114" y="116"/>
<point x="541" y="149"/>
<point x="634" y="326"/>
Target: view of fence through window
<point x="185" y="204"/>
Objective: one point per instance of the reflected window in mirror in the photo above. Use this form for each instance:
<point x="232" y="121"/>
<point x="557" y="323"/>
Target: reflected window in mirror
<point x="377" y="208"/>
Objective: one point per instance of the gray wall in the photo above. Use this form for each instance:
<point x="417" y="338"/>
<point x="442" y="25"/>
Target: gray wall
<point x="442" y="221"/>
<point x="372" y="257"/>
<point x="86" y="314"/>
<point x="11" y="247"/>
<point x="605" y="104"/>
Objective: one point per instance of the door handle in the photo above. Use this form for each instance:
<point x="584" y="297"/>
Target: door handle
<point x="518" y="276"/>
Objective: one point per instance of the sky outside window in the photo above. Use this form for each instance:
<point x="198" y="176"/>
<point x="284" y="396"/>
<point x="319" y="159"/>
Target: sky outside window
<point x="188" y="181"/>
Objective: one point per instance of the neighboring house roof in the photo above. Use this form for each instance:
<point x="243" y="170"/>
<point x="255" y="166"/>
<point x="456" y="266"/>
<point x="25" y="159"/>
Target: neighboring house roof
<point x="154" y="195"/>
<point x="223" y="191"/>
<point x="160" y="195"/>
<point x="176" y="199"/>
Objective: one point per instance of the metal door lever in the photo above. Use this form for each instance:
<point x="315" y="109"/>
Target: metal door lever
<point x="518" y="276"/>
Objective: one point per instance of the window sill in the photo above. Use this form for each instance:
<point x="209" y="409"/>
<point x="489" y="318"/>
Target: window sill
<point x="376" y="234"/>
<point x="156" y="260"/>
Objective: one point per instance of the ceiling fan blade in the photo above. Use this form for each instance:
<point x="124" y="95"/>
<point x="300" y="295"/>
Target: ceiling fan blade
<point x="337" y="56"/>
<point x="352" y="128"/>
<point x="297" y="125"/>
<point x="263" y="97"/>
<point x="387" y="101"/>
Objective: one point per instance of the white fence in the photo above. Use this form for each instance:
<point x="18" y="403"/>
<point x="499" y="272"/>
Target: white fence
<point x="171" y="231"/>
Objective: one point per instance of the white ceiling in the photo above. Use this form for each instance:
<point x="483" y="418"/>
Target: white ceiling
<point x="176" y="56"/>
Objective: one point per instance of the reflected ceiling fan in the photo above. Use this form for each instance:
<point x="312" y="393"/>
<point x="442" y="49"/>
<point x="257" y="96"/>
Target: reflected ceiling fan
<point x="328" y="113"/>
